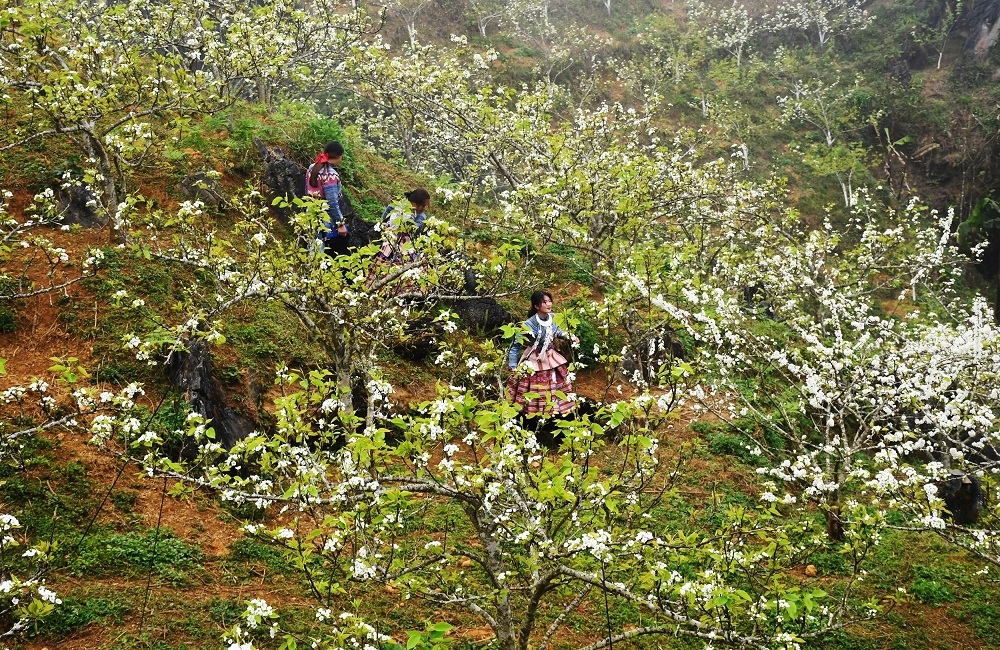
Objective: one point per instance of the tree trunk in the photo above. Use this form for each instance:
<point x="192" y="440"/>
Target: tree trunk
<point x="834" y="525"/>
<point x="95" y="149"/>
<point x="342" y="367"/>
<point x="996" y="299"/>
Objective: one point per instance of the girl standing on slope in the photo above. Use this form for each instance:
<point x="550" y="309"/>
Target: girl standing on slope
<point x="323" y="181"/>
<point x="399" y="227"/>
<point x="540" y="368"/>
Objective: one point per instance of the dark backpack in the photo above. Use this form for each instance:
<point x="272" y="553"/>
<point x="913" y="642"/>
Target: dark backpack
<point x="346" y="209"/>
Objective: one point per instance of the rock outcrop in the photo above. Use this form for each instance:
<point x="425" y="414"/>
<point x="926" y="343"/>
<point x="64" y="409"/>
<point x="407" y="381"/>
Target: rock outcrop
<point x="982" y="21"/>
<point x="191" y="373"/>
<point x="78" y="205"/>
<point x="283" y="176"/>
<point x="201" y="186"/>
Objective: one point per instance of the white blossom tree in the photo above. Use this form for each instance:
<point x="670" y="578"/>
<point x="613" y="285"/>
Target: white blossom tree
<point x="824" y="18"/>
<point x="828" y="108"/>
<point x="515" y="532"/>
<point x="835" y="384"/>
<point x="407" y="11"/>
<point x="109" y="76"/>
<point x="730" y="29"/>
<point x="486" y="12"/>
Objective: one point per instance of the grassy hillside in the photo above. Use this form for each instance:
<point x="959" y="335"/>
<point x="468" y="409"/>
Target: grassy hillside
<point x="671" y="460"/>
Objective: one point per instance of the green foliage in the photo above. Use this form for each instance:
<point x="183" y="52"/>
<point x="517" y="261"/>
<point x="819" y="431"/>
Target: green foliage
<point x="847" y="640"/>
<point x="243" y="122"/>
<point x="931" y="592"/>
<point x="368" y="208"/>
<point x="980" y="609"/>
<point x="247" y="552"/>
<point x="589" y="337"/>
<point x="69" y="369"/>
<point x="828" y="563"/>
<point x="8" y="320"/>
<point x="53" y="500"/>
<point x="124" y="500"/>
<point x="78" y="612"/>
<point x="929" y="586"/>
<point x="264" y="337"/>
<point x="131" y="555"/>
<point x="226" y="611"/>
<point x="984" y="219"/>
<point x="580" y="268"/>
<point x="434" y="637"/>
<point x="729" y="444"/>
<point x="293" y="125"/>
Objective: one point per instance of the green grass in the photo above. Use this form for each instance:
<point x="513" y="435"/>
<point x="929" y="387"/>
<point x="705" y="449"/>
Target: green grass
<point x="981" y="611"/>
<point x="931" y="592"/>
<point x="246" y="555"/>
<point x="132" y="554"/>
<point x="77" y="612"/>
<point x="52" y="501"/>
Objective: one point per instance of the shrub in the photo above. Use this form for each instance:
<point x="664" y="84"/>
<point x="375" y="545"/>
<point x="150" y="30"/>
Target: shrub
<point x="728" y="444"/>
<point x="132" y="555"/>
<point x="8" y="320"/>
<point x="76" y="613"/>
<point x="930" y="592"/>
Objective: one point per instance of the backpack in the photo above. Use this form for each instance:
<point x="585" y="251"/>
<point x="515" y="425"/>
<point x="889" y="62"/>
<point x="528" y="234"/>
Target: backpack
<point x="346" y="208"/>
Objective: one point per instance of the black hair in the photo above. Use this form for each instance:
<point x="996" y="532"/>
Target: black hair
<point x="536" y="299"/>
<point x="419" y="196"/>
<point x="333" y="149"/>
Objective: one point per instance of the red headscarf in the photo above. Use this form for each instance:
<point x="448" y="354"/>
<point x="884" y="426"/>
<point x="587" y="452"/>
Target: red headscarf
<point x="321" y="159"/>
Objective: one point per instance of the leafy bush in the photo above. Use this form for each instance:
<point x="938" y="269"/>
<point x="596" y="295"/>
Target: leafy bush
<point x="930" y="592"/>
<point x="76" y="613"/>
<point x="829" y="563"/>
<point x="728" y="444"/>
<point x="131" y="555"/>
<point x="589" y="337"/>
<point x="8" y="320"/>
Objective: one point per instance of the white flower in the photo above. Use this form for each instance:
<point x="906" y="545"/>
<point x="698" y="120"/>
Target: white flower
<point x="49" y="596"/>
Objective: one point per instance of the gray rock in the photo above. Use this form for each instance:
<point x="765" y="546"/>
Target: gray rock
<point x="963" y="494"/>
<point x="283" y="176"/>
<point x="200" y="186"/>
<point x="78" y="205"/>
<point x="191" y="373"/>
<point x="982" y="21"/>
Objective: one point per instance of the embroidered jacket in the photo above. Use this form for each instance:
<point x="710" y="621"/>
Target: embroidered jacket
<point x="329" y="187"/>
<point x="394" y="214"/>
<point x="537" y="337"/>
